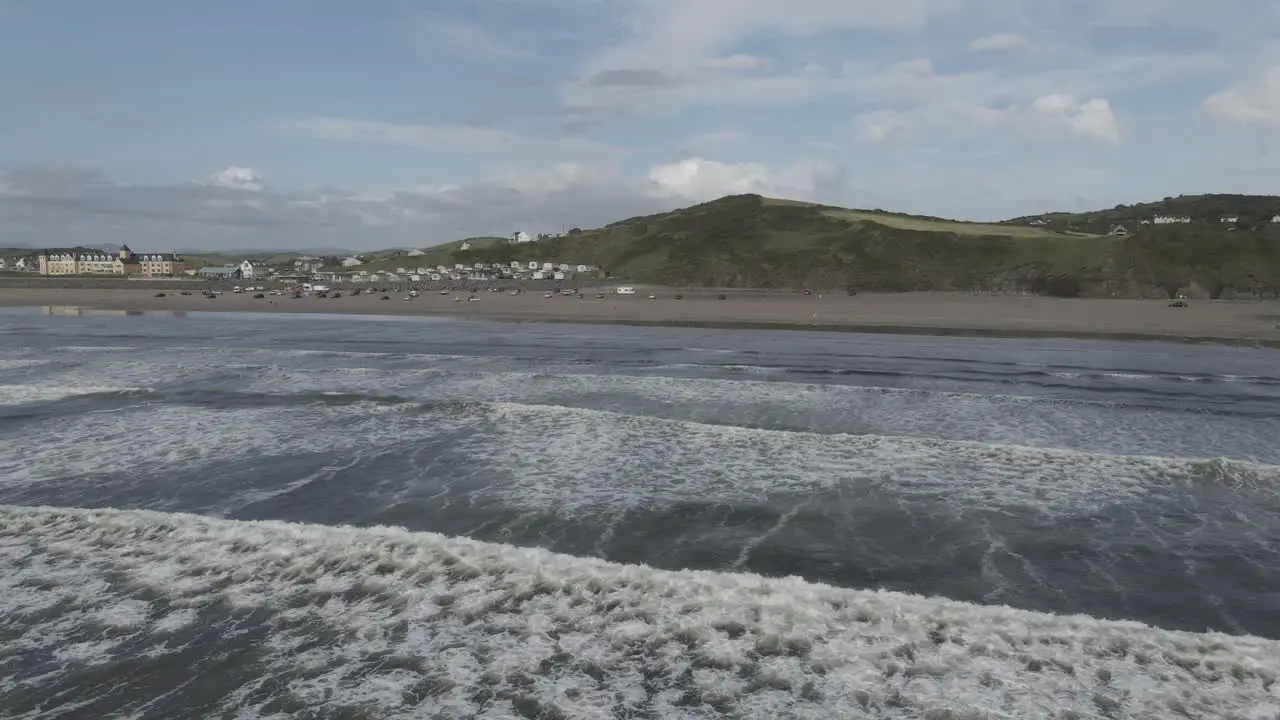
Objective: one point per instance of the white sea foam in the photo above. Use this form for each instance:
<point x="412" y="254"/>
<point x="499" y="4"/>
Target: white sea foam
<point x="13" y="395"/>
<point x="150" y="438"/>
<point x="573" y="460"/>
<point x="393" y="624"/>
<point x="576" y="462"/>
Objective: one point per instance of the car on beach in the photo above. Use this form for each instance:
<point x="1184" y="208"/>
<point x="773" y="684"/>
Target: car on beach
<point x="159" y="295"/>
<point x="186" y="292"/>
<point x="258" y="296"/>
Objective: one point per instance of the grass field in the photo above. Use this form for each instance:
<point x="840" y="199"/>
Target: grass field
<point x="904" y="222"/>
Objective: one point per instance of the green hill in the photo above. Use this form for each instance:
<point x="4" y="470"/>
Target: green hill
<point x="1254" y="211"/>
<point x="751" y="241"/>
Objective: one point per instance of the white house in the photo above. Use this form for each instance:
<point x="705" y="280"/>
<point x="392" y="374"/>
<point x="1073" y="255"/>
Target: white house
<point x="1275" y="218"/>
<point x="3" y="265"/>
<point x="20" y="264"/>
<point x="539" y="275"/>
<point x="465" y="245"/>
<point x="352" y="262"/>
<point x="1118" y="230"/>
<point x="1229" y="219"/>
<point x="559" y="276"/>
<point x="522" y="237"/>
<point x="415" y="278"/>
<point x="415" y="253"/>
<point x="459" y="266"/>
<point x="1171" y="220"/>
<point x="250" y="270"/>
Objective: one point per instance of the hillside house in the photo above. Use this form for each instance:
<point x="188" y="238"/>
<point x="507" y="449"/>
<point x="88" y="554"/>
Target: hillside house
<point x="1039" y="221"/>
<point x="1171" y="220"/>
<point x="1275" y="218"/>
<point x="415" y="253"/>
<point x="251" y="269"/>
<point x="1118" y="230"/>
<point x="352" y="261"/>
<point x="521" y="237"/>
<point x="1233" y="219"/>
<point x="466" y="245"/>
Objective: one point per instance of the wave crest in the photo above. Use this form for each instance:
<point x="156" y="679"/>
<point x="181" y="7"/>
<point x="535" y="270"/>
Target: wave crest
<point x="400" y="624"/>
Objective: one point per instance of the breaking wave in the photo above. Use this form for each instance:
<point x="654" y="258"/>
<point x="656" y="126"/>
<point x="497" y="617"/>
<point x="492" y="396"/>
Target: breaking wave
<point x="392" y="624"/>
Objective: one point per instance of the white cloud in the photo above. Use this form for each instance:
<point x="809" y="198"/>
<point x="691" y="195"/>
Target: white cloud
<point x="80" y="207"/>
<point x="1000" y="41"/>
<point x="697" y="179"/>
<point x="237" y="178"/>
<point x="464" y="139"/>
<point x="1091" y="118"/>
<point x="680" y="34"/>
<point x="1255" y="103"/>
<point x="1046" y="116"/>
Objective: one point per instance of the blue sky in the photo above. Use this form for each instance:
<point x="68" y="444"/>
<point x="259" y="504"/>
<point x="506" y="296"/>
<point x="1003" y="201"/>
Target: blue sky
<point x="298" y="123"/>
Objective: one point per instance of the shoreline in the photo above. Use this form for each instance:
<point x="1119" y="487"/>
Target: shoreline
<point x="1240" y="323"/>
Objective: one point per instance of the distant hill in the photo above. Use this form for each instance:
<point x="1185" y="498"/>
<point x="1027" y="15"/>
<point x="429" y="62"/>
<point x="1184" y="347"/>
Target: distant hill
<point x="1251" y="210"/>
<point x="752" y="241"/>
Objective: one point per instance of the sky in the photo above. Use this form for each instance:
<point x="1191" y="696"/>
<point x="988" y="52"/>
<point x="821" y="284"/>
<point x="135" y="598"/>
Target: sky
<point x="292" y="124"/>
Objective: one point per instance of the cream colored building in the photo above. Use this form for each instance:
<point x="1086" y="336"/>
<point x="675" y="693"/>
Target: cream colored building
<point x="97" y="262"/>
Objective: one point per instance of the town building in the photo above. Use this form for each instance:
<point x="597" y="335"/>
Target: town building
<point x="80" y="261"/>
<point x="220" y="272"/>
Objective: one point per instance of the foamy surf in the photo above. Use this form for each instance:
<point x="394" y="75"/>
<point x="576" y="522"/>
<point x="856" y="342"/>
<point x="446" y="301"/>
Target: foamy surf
<point x="288" y="619"/>
<point x="18" y="395"/>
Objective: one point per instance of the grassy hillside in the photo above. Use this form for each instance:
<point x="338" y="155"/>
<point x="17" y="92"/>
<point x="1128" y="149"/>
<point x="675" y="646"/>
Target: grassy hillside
<point x="1254" y="211"/>
<point x="750" y="241"/>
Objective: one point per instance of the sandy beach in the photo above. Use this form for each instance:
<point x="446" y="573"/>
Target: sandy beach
<point x="933" y="313"/>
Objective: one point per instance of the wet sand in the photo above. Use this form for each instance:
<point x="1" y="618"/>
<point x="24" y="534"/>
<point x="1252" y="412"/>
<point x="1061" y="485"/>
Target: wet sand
<point x="928" y="313"/>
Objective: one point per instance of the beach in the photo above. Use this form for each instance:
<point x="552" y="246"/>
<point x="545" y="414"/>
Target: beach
<point x="923" y="313"/>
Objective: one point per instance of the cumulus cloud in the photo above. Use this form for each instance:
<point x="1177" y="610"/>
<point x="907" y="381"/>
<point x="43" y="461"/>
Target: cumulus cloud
<point x="1090" y="118"/>
<point x="1255" y="103"/>
<point x="232" y="209"/>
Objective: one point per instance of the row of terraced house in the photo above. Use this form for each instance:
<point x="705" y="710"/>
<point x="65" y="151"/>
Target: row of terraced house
<point x="125" y="262"/>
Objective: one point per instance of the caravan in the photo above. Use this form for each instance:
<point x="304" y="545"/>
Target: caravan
<point x="624" y="290"/>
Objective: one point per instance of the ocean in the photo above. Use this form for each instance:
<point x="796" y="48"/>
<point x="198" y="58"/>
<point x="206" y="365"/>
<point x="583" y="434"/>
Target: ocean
<point x="289" y="516"/>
